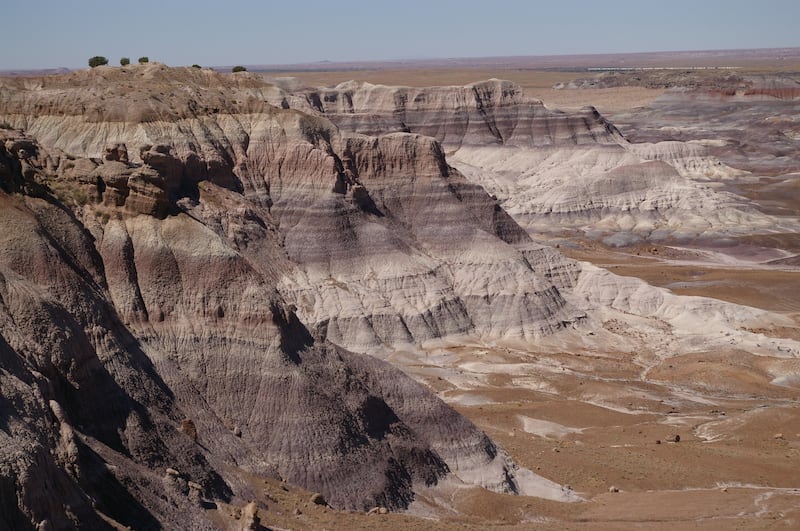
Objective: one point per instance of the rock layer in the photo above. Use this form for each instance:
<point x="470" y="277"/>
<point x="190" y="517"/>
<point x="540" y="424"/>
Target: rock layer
<point x="394" y="246"/>
<point x="168" y="288"/>
<point x="552" y="170"/>
<point x="191" y="259"/>
<point x="621" y="194"/>
<point x="492" y="112"/>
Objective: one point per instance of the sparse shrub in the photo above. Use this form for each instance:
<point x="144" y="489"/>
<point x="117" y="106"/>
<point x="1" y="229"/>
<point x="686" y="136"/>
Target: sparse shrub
<point x="144" y="59"/>
<point x="5" y="125"/>
<point x="238" y="69"/>
<point x="125" y="61"/>
<point x="97" y="60"/>
<point x="196" y="66"/>
<point x="80" y="196"/>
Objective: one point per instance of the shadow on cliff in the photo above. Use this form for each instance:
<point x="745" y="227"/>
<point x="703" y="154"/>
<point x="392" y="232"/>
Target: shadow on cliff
<point x="66" y="330"/>
<point x="111" y="496"/>
<point x="294" y="336"/>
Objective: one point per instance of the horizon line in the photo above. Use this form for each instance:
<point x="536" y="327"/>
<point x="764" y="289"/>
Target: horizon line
<point x="354" y="63"/>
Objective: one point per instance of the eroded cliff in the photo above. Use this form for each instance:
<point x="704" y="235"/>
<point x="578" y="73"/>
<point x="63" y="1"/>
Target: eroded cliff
<point x="178" y="284"/>
<point x="194" y="266"/>
<point x="555" y="171"/>
<point x="484" y="113"/>
<point x="391" y="243"/>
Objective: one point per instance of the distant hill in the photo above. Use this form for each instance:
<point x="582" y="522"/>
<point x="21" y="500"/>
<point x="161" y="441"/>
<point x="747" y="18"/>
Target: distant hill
<point x="42" y="72"/>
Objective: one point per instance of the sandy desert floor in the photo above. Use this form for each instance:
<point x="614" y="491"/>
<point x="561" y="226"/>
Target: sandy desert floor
<point x="649" y="433"/>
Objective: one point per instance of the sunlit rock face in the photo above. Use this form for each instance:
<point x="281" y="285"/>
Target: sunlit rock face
<point x="492" y="112"/>
<point x="199" y="275"/>
<point x="179" y="286"/>
<point x="551" y="170"/>
<point x="390" y="244"/>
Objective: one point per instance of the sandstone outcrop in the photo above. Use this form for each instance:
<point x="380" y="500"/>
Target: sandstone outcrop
<point x="67" y="361"/>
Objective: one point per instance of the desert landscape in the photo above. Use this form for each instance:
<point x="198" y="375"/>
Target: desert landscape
<point x="508" y="293"/>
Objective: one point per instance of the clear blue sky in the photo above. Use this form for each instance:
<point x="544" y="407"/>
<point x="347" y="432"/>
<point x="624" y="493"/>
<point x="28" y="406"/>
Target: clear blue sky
<point x="55" y="33"/>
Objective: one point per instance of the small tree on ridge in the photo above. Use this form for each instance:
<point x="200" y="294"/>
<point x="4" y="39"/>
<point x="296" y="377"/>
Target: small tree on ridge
<point x="144" y="59"/>
<point x="125" y="61"/>
<point x="97" y="60"/>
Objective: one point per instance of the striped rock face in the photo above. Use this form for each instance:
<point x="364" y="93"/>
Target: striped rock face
<point x="173" y="255"/>
<point x="554" y="171"/>
<point x="201" y="277"/>
<point x="492" y="112"/>
<point x="387" y="243"/>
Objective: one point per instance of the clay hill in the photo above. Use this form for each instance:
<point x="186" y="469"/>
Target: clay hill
<point x="163" y="229"/>
<point x="211" y="283"/>
<point x="555" y="171"/>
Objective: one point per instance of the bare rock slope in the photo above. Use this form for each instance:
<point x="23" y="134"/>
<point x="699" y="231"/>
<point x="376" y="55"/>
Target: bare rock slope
<point x="484" y="113"/>
<point x="175" y="276"/>
<point x="193" y="266"/>
<point x="393" y="245"/>
<point x="553" y="170"/>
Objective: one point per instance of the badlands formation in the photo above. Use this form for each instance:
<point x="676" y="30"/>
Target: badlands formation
<point x="221" y="295"/>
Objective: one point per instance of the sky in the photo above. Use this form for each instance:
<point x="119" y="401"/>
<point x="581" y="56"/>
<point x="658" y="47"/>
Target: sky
<point x="39" y="34"/>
